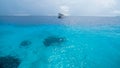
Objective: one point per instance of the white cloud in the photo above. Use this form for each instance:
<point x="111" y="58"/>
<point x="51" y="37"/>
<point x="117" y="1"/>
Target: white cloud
<point x="68" y="7"/>
<point x="116" y="12"/>
<point x="65" y="10"/>
<point x="21" y="14"/>
<point x="105" y="3"/>
<point x="92" y="7"/>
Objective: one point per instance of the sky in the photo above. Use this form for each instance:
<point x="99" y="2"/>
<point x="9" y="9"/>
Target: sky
<point x="53" y="7"/>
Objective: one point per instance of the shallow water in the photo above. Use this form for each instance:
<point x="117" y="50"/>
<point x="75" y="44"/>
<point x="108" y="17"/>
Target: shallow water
<point x="91" y="42"/>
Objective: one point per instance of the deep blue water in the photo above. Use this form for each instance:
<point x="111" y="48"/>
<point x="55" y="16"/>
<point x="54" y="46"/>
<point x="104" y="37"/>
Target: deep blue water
<point x="90" y="42"/>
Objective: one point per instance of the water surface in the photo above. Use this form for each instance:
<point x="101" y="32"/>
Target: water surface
<point x="91" y="42"/>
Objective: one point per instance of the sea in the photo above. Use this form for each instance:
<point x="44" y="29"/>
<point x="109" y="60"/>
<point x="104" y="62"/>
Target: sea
<point x="69" y="42"/>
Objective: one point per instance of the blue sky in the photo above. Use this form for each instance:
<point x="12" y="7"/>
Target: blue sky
<point x="68" y="7"/>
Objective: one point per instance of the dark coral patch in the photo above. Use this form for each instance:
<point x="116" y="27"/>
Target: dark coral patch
<point x="52" y="40"/>
<point x="25" y="43"/>
<point x="9" y="62"/>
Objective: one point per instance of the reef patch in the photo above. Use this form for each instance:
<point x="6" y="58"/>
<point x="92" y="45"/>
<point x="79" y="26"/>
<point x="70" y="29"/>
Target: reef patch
<point x="25" y="43"/>
<point x="53" y="40"/>
<point x="9" y="62"/>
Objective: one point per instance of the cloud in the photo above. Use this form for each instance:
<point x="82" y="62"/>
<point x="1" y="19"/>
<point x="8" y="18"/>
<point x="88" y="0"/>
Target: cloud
<point x="65" y="10"/>
<point x="68" y="7"/>
<point x="21" y="14"/>
<point x="116" y="12"/>
<point x="92" y="7"/>
<point x="105" y="3"/>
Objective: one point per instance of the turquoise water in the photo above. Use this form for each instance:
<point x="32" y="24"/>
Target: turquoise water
<point x="90" y="42"/>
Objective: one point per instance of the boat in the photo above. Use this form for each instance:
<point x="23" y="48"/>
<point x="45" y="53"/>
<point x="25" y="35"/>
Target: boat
<point x="60" y="15"/>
